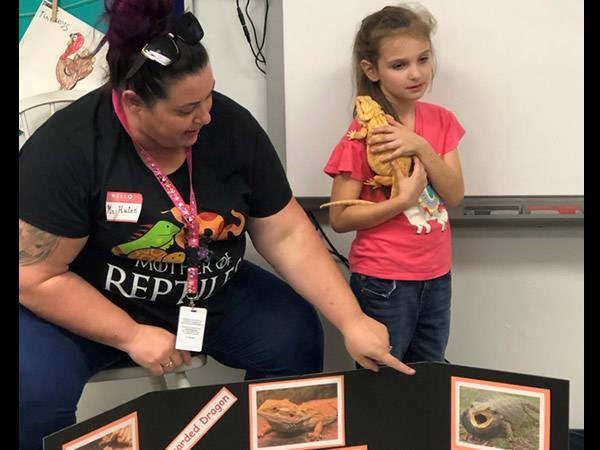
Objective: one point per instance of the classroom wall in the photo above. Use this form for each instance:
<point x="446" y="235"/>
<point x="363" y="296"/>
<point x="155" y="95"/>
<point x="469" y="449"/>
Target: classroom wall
<point x="510" y="70"/>
<point x="517" y="291"/>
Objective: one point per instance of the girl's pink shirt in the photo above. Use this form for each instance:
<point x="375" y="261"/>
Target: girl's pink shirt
<point x="393" y="249"/>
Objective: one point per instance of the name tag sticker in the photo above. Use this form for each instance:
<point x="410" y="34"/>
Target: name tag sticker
<point x="190" y="329"/>
<point x="123" y="206"/>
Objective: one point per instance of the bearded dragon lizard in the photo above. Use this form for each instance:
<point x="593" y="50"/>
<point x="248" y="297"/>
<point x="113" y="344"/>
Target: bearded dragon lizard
<point x="286" y="417"/>
<point x="371" y="116"/>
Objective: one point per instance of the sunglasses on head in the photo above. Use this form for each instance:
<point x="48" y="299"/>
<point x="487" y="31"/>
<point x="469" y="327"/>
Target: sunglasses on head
<point x="163" y="49"/>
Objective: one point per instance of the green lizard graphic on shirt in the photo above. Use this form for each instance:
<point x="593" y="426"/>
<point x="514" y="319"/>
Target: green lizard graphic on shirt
<point x="161" y="235"/>
<point x="152" y="242"/>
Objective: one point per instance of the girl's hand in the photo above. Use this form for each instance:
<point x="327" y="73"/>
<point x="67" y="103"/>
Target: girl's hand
<point x="367" y="341"/>
<point x="154" y="348"/>
<point x="396" y="139"/>
<point x="410" y="187"/>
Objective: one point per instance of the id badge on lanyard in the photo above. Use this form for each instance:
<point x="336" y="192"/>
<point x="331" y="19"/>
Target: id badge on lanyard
<point x="190" y="328"/>
<point x="192" y="319"/>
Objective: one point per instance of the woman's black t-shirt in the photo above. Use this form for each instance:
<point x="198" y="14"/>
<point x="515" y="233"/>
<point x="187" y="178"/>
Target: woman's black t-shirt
<point x="79" y="175"/>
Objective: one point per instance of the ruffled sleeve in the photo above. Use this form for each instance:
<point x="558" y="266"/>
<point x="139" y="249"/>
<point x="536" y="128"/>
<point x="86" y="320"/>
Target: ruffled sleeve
<point x="454" y="133"/>
<point x="349" y="156"/>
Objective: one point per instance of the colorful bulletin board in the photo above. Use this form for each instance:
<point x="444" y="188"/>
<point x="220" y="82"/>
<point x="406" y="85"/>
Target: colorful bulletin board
<point x="88" y="11"/>
<point x="63" y="54"/>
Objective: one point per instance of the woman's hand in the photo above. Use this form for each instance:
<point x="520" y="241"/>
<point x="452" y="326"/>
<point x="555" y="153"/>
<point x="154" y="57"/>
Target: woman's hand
<point x="368" y="344"/>
<point x="396" y="139"/>
<point x="154" y="348"/>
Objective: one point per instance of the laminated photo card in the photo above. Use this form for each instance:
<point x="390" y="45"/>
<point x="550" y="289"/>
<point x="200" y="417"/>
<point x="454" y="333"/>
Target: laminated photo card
<point x="297" y="414"/>
<point x="489" y="415"/>
<point x="121" y="434"/>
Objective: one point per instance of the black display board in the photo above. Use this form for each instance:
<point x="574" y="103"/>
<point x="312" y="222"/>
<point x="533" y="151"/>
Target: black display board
<point x="375" y="411"/>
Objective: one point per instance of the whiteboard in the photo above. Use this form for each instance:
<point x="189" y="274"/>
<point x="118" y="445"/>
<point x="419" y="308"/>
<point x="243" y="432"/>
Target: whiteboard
<point x="510" y="70"/>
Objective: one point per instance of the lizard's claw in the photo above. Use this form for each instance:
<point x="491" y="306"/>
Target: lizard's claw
<point x="371" y="182"/>
<point x="314" y="437"/>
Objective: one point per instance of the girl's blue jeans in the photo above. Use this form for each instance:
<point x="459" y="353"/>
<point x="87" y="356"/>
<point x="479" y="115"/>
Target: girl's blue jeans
<point x="268" y="330"/>
<point x="416" y="313"/>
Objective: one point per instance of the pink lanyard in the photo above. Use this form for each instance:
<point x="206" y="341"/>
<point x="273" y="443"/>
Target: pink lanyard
<point x="195" y="254"/>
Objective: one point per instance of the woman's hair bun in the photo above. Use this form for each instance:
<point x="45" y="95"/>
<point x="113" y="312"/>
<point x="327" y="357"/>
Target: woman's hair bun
<point x="132" y="23"/>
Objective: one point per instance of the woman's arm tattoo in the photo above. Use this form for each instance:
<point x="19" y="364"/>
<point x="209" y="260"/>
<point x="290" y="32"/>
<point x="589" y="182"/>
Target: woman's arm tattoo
<point x="35" y="245"/>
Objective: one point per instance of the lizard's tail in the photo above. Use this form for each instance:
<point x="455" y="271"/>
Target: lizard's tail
<point x="346" y="203"/>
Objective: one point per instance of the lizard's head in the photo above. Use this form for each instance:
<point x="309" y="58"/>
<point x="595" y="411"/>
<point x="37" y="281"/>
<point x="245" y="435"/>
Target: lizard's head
<point x="479" y="406"/>
<point x="283" y="415"/>
<point x="366" y="107"/>
<point x="481" y="420"/>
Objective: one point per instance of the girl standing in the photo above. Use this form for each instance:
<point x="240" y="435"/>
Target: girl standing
<point x="401" y="257"/>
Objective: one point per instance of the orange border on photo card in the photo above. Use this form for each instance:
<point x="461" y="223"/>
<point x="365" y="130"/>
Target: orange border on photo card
<point x="298" y="383"/>
<point x="101" y="432"/>
<point x="542" y="393"/>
